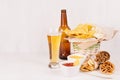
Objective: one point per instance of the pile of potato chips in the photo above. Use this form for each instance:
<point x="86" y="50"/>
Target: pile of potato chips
<point x="83" y="31"/>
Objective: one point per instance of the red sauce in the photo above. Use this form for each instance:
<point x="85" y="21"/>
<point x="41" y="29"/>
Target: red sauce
<point x="68" y="64"/>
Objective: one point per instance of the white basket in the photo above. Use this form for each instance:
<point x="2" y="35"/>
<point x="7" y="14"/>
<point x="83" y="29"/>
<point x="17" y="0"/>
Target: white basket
<point x="90" y="50"/>
<point x="84" y="46"/>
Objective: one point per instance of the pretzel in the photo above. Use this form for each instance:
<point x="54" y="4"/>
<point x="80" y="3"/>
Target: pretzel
<point x="87" y="66"/>
<point x="107" y="67"/>
<point x="102" y="56"/>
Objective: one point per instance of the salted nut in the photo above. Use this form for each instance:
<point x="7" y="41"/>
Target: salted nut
<point x="107" y="67"/>
<point x="102" y="56"/>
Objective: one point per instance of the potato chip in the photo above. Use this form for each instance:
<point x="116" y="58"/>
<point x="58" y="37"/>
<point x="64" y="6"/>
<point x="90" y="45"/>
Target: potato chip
<point x="81" y="31"/>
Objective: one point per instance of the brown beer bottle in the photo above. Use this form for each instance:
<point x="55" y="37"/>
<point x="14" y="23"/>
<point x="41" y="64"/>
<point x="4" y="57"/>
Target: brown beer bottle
<point x="65" y="44"/>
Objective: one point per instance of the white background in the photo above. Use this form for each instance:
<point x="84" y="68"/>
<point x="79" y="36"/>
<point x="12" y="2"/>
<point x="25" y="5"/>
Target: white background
<point x="24" y="23"/>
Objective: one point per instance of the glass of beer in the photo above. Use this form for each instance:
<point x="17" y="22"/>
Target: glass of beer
<point x="54" y="44"/>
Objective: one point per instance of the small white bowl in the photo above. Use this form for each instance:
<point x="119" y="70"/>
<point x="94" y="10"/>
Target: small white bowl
<point x="69" y="70"/>
<point x="79" y="58"/>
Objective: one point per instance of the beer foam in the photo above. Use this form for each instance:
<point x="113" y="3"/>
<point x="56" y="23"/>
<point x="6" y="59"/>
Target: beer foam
<point x="54" y="34"/>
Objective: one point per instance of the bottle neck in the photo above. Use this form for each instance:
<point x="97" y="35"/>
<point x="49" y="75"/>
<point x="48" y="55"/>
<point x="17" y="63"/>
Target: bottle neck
<point x="63" y="19"/>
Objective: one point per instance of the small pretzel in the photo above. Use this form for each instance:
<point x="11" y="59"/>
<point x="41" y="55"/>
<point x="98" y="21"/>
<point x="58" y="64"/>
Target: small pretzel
<point x="102" y="56"/>
<point x="107" y="67"/>
<point x="87" y="66"/>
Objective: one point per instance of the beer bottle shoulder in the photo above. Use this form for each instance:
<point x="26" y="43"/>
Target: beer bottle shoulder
<point x="62" y="28"/>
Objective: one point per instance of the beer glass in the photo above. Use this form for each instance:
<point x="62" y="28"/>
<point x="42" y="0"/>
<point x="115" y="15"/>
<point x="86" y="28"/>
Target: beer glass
<point x="54" y="38"/>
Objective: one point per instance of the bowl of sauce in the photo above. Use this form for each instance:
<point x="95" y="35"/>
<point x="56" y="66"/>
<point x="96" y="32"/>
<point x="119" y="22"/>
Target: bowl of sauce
<point x="77" y="58"/>
<point x="68" y="68"/>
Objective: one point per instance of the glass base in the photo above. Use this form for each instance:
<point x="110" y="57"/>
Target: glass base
<point x="53" y="65"/>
